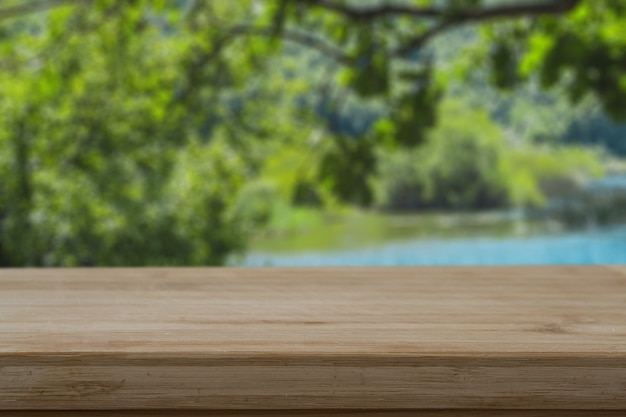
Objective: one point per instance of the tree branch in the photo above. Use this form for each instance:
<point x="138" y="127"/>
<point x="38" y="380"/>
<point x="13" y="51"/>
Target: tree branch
<point x="420" y="40"/>
<point x="464" y="14"/>
<point x="486" y="14"/>
<point x="369" y="13"/>
<point x="448" y="18"/>
<point x="301" y="38"/>
<point x="235" y="29"/>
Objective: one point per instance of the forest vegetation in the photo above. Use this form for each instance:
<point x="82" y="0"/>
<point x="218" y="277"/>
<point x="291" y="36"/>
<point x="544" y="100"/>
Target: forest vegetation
<point x="153" y="132"/>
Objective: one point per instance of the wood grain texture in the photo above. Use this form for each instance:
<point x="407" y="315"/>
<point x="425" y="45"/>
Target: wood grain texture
<point x="319" y="413"/>
<point x="325" y="338"/>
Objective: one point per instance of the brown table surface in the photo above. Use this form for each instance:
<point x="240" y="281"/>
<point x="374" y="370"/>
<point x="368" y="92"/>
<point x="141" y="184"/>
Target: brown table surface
<point x="314" y="338"/>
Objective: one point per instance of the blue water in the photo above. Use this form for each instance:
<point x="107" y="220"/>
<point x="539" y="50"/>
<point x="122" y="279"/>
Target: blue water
<point x="612" y="183"/>
<point x="600" y="246"/>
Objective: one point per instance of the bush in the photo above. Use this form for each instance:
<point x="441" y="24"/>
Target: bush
<point x="466" y="165"/>
<point x="257" y="202"/>
<point x="457" y="168"/>
<point x="189" y="219"/>
<point x="536" y="175"/>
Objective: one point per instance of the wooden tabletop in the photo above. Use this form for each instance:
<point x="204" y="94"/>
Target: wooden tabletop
<point x="314" y="338"/>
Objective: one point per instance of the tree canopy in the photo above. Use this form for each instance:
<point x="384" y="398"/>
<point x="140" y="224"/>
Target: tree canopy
<point x="577" y="42"/>
<point x="128" y="128"/>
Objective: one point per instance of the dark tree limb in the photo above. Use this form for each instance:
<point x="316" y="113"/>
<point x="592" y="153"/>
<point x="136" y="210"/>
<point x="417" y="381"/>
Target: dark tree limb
<point x="369" y="13"/>
<point x="458" y="20"/>
<point x="461" y="14"/>
<point x="444" y="19"/>
<point x="302" y="38"/>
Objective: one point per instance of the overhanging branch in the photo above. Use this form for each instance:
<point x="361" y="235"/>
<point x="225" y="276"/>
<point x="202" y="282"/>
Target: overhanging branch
<point x="460" y="13"/>
<point x="298" y="37"/>
<point x="486" y="14"/>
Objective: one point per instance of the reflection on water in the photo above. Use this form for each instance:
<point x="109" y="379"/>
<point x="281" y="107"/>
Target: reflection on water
<point x="493" y="239"/>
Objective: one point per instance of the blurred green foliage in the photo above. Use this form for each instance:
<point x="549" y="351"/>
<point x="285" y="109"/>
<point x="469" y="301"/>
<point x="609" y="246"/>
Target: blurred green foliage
<point x="166" y="132"/>
<point x="122" y="148"/>
<point x="457" y="167"/>
<point x="467" y="165"/>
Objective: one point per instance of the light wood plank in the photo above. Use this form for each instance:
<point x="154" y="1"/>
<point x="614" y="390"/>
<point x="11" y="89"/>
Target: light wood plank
<point x="321" y="413"/>
<point x="326" y="338"/>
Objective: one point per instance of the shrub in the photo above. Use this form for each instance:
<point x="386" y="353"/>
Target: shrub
<point x="536" y="175"/>
<point x="458" y="167"/>
<point x="465" y="164"/>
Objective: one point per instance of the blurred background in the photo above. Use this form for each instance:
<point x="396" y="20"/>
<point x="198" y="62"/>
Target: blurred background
<point x="312" y="132"/>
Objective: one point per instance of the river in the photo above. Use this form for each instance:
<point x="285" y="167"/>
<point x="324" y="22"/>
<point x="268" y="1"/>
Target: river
<point x="373" y="239"/>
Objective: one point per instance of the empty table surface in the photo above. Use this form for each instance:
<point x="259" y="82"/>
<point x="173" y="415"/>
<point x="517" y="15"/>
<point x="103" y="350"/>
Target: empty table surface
<point x="314" y="338"/>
